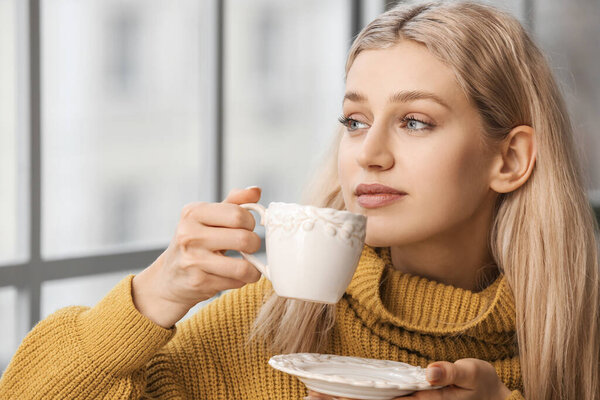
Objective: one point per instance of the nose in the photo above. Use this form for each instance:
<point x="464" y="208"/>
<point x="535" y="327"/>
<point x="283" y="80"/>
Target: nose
<point x="375" y="151"/>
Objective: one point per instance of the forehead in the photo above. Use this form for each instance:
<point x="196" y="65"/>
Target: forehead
<point x="407" y="65"/>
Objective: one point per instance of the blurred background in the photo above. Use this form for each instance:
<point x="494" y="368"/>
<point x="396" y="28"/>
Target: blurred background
<point x="116" y="113"/>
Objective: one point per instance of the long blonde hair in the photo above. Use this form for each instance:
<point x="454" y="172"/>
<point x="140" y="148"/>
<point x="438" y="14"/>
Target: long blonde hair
<point x="543" y="235"/>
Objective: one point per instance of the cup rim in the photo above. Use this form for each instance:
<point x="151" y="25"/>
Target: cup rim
<point x="335" y="210"/>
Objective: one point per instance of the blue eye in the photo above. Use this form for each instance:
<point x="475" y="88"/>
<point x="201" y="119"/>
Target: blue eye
<point x="415" y="124"/>
<point x="352" y="124"/>
<point x="409" y="122"/>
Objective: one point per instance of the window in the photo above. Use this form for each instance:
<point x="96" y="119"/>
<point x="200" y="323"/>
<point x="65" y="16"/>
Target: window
<point x="13" y="133"/>
<point x="283" y="85"/>
<point x="114" y="114"/>
<point x="8" y="337"/>
<point x="125" y="94"/>
<point x="571" y="46"/>
<point x="83" y="291"/>
<point x="125" y="124"/>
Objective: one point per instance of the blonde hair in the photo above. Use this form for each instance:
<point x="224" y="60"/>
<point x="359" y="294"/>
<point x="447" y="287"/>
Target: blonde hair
<point x="543" y="234"/>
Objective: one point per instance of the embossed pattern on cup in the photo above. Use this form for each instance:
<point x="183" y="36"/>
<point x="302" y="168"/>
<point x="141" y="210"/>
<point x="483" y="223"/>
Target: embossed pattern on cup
<point x="343" y="225"/>
<point x="312" y="252"/>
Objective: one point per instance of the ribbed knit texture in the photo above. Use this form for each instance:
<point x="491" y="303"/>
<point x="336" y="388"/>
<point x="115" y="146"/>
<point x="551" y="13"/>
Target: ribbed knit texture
<point x="111" y="351"/>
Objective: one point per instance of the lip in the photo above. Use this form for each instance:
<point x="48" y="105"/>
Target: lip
<point x="375" y="188"/>
<point x="375" y="195"/>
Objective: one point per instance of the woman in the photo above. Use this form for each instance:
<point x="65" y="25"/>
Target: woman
<point x="486" y="269"/>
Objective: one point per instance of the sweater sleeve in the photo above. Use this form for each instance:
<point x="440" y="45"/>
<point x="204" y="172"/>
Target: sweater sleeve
<point x="87" y="353"/>
<point x="210" y="358"/>
<point x="515" y="395"/>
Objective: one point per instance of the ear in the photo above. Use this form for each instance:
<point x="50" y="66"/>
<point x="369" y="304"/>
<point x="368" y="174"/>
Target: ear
<point x="513" y="164"/>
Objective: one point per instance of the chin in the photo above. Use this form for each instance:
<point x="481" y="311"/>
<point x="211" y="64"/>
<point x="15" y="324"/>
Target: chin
<point x="379" y="243"/>
<point x="379" y="231"/>
<point x="378" y="239"/>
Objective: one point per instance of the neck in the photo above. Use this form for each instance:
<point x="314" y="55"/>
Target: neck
<point x="459" y="257"/>
<point x="470" y="273"/>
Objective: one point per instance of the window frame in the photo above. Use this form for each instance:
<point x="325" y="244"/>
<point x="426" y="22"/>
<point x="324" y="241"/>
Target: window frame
<point x="29" y="276"/>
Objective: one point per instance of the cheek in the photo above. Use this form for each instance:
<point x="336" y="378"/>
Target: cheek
<point x="445" y="193"/>
<point x="454" y="183"/>
<point x="347" y="170"/>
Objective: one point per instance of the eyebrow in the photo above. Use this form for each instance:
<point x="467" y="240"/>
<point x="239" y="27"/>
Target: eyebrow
<point x="402" y="96"/>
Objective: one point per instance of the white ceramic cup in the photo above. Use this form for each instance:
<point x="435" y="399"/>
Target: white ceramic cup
<point x="312" y="252"/>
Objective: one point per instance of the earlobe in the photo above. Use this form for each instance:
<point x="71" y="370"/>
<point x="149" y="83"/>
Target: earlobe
<point x="515" y="160"/>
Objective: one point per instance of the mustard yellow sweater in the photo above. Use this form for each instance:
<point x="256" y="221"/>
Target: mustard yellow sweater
<point x="111" y="351"/>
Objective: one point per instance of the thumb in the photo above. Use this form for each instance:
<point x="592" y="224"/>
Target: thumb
<point x="461" y="373"/>
<point x="240" y="196"/>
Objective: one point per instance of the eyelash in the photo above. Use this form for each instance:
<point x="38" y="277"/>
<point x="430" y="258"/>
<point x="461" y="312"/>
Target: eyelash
<point x="346" y="122"/>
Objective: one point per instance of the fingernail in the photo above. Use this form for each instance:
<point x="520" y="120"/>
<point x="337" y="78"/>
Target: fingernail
<point x="434" y="374"/>
<point x="252" y="187"/>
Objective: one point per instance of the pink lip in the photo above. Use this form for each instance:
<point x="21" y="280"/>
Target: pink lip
<point x="377" y="195"/>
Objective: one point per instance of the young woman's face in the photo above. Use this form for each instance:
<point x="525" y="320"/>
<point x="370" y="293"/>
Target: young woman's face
<point x="410" y="127"/>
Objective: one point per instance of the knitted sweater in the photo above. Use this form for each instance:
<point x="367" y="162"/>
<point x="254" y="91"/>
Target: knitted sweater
<point x="111" y="351"/>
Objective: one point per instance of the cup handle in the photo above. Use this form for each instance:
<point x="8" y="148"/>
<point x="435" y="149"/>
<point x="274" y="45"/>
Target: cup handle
<point x="264" y="269"/>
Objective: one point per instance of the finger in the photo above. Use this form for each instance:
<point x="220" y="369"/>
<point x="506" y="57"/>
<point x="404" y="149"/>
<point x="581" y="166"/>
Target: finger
<point x="209" y="283"/>
<point x="233" y="268"/>
<point x="312" y="395"/>
<point x="218" y="214"/>
<point x="446" y="393"/>
<point x="462" y="373"/>
<point x="191" y="238"/>
<point x="241" y="196"/>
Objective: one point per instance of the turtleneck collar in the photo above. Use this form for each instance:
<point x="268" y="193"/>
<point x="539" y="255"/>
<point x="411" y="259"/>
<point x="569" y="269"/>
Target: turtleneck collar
<point x="422" y="305"/>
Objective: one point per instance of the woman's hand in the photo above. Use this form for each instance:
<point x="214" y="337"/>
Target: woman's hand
<point x="466" y="379"/>
<point x="194" y="268"/>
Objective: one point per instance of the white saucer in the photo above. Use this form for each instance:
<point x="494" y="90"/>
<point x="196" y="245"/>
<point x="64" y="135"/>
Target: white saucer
<point x="353" y="377"/>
